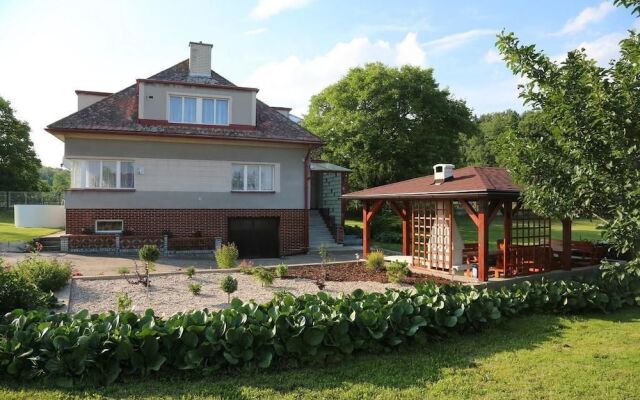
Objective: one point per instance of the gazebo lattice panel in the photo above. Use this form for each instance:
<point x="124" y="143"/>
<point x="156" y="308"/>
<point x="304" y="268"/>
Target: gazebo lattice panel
<point x="432" y="240"/>
<point x="530" y="250"/>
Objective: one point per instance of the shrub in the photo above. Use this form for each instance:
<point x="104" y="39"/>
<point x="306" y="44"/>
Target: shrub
<point x="323" y="252"/>
<point x="246" y="267"/>
<point x="123" y="302"/>
<point x="281" y="270"/>
<point x="388" y="237"/>
<point x="17" y="292"/>
<point x="227" y="256"/>
<point x="48" y="274"/>
<point x="195" y="288"/>
<point x="229" y="285"/>
<point x="191" y="271"/>
<point x="375" y="260"/>
<point x="123" y="270"/>
<point x="149" y="253"/>
<point x="396" y="271"/>
<point x="264" y="276"/>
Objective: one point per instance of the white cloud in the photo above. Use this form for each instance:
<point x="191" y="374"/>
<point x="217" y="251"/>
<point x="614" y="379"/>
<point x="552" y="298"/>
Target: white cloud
<point x="456" y="40"/>
<point x="291" y="82"/>
<point x="492" y="56"/>
<point x="254" y="32"/>
<point x="268" y="8"/>
<point x="604" y="48"/>
<point x="587" y="16"/>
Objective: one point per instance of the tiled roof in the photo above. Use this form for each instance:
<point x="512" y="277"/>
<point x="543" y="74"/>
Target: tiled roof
<point x="118" y="114"/>
<point x="476" y="180"/>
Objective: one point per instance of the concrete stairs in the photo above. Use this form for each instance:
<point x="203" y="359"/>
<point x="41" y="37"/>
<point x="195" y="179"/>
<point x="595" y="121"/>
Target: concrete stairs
<point x="319" y="234"/>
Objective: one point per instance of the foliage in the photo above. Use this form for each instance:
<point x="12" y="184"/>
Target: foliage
<point x="281" y="270"/>
<point x="72" y="348"/>
<point x="387" y="124"/>
<point x="123" y="270"/>
<point x="17" y="292"/>
<point x="246" y="267"/>
<point x="195" y="288"/>
<point x="149" y="253"/>
<point x="54" y="179"/>
<point x="190" y="272"/>
<point x="123" y="302"/>
<point x="18" y="160"/>
<point x="324" y="254"/>
<point x="375" y="260"/>
<point x="483" y="148"/>
<point x="227" y="256"/>
<point x="388" y="236"/>
<point x="396" y="271"/>
<point x="264" y="276"/>
<point x="48" y="274"/>
<point x="229" y="285"/>
<point x="580" y="152"/>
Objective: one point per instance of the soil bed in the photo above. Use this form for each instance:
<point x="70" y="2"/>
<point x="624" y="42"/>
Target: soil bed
<point x="356" y="272"/>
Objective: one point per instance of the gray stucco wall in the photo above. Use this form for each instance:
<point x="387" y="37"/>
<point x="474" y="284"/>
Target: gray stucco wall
<point x="242" y="103"/>
<point x="289" y="194"/>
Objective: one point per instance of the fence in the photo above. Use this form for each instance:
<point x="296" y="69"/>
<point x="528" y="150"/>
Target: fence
<point x="9" y="199"/>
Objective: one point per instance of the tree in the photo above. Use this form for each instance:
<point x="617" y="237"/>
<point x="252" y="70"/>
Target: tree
<point x="387" y="124"/>
<point x="18" y="161"/>
<point x="54" y="179"/>
<point x="483" y="148"/>
<point x="580" y="152"/>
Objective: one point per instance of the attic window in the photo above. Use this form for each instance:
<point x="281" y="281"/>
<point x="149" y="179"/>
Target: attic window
<point x="198" y="110"/>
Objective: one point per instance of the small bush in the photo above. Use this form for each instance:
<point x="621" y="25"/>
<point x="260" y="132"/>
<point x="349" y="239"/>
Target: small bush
<point x="229" y="285"/>
<point x="123" y="302"/>
<point x="149" y="253"/>
<point x="48" y="274"/>
<point x="191" y="271"/>
<point x="227" y="256"/>
<point x="195" y="288"/>
<point x="375" y="260"/>
<point x="396" y="271"/>
<point x="123" y="270"/>
<point x="17" y="292"/>
<point x="264" y="276"/>
<point x="246" y="267"/>
<point x="281" y="270"/>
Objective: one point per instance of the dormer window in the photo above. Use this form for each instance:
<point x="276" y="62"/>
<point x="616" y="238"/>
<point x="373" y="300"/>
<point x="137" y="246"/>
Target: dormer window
<point x="198" y="110"/>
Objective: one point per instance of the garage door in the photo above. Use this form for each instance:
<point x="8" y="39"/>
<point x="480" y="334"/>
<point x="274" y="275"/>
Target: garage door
<point x="255" y="237"/>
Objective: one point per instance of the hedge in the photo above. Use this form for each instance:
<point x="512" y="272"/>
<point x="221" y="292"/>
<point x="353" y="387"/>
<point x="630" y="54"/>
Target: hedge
<point x="310" y="329"/>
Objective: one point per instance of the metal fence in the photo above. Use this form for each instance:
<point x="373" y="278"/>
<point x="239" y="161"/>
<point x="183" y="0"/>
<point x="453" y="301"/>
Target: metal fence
<point x="8" y="199"/>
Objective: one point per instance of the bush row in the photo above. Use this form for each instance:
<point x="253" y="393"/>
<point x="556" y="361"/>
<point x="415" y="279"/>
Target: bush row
<point x="289" y="330"/>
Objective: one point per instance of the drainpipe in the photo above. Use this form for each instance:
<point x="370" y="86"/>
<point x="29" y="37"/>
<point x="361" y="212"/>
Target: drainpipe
<point x="307" y="178"/>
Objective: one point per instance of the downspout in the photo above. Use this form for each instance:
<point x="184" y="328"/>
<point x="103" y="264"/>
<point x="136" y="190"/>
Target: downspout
<point x="307" y="178"/>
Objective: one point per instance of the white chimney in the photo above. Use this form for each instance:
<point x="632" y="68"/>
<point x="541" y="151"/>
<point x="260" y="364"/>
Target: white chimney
<point x="200" y="59"/>
<point x="88" y="97"/>
<point x="442" y="173"/>
<point x="283" y="110"/>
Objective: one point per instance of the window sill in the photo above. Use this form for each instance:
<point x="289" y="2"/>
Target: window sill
<point x="254" y="191"/>
<point x="101" y="190"/>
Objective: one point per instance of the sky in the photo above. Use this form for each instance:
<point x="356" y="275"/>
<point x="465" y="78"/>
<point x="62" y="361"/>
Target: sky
<point x="289" y="49"/>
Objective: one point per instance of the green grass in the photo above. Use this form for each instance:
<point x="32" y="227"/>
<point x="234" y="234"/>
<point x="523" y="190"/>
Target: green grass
<point x="537" y="357"/>
<point x="9" y="232"/>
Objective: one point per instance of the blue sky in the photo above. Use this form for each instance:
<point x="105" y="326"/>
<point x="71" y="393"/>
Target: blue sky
<point x="290" y="49"/>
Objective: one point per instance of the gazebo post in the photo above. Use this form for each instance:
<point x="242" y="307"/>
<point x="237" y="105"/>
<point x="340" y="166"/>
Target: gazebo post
<point x="506" y="213"/>
<point x="366" y="229"/>
<point x="483" y="241"/>
<point x="566" y="243"/>
<point x="406" y="229"/>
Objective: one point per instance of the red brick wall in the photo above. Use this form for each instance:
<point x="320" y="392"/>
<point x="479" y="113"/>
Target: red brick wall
<point x="183" y="223"/>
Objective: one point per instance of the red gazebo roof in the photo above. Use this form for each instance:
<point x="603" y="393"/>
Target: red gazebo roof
<point x="467" y="182"/>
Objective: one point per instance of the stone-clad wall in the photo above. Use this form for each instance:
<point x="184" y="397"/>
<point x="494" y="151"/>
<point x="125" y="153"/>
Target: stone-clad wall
<point x="331" y="192"/>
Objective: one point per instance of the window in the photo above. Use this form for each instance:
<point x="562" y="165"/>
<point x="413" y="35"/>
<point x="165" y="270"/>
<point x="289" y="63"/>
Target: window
<point x="198" y="110"/>
<point x="252" y="177"/>
<point x="109" y="226"/>
<point x="102" y="174"/>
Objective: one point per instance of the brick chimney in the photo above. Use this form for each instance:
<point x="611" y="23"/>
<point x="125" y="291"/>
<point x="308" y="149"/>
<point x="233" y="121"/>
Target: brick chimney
<point x="200" y="59"/>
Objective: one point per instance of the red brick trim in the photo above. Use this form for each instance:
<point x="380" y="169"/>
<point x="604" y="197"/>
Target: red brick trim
<point x="184" y="222"/>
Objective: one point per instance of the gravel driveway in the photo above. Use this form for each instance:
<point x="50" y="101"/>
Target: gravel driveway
<point x="169" y="294"/>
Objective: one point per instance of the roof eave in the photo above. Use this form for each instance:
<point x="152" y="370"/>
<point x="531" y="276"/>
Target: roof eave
<point x="423" y="195"/>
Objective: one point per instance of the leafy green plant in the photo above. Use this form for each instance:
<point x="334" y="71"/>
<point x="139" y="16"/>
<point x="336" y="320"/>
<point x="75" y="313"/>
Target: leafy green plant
<point x="264" y="276"/>
<point x="229" y="285"/>
<point x="227" y="256"/>
<point x="123" y="270"/>
<point x="123" y="302"/>
<point x="48" y="274"/>
<point x="195" y="288"/>
<point x="396" y="271"/>
<point x="190" y="272"/>
<point x="281" y="270"/>
<point x="323" y="252"/>
<point x="148" y="254"/>
<point x="375" y="260"/>
<point x="17" y="292"/>
<point x="246" y="267"/>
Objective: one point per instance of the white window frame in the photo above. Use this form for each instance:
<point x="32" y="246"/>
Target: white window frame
<point x="96" y="230"/>
<point x="199" y="117"/>
<point x="101" y="161"/>
<point x="244" y="177"/>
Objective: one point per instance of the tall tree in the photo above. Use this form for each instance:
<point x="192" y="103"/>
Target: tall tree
<point x="387" y="124"/>
<point x="18" y="161"/>
<point x="483" y="147"/>
<point x="580" y="154"/>
<point x="54" y="179"/>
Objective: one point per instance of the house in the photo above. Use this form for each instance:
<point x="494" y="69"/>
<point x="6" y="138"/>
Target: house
<point x="186" y="153"/>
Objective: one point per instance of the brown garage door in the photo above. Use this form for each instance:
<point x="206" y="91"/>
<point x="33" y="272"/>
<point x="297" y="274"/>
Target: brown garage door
<point x="255" y="237"/>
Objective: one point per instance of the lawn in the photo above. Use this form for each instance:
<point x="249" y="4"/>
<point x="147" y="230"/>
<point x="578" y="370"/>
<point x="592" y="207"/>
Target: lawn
<point x="581" y="229"/>
<point x="537" y="357"/>
<point x="9" y="233"/>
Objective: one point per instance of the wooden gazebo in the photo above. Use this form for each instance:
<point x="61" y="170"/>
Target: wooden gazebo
<point x="429" y="231"/>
